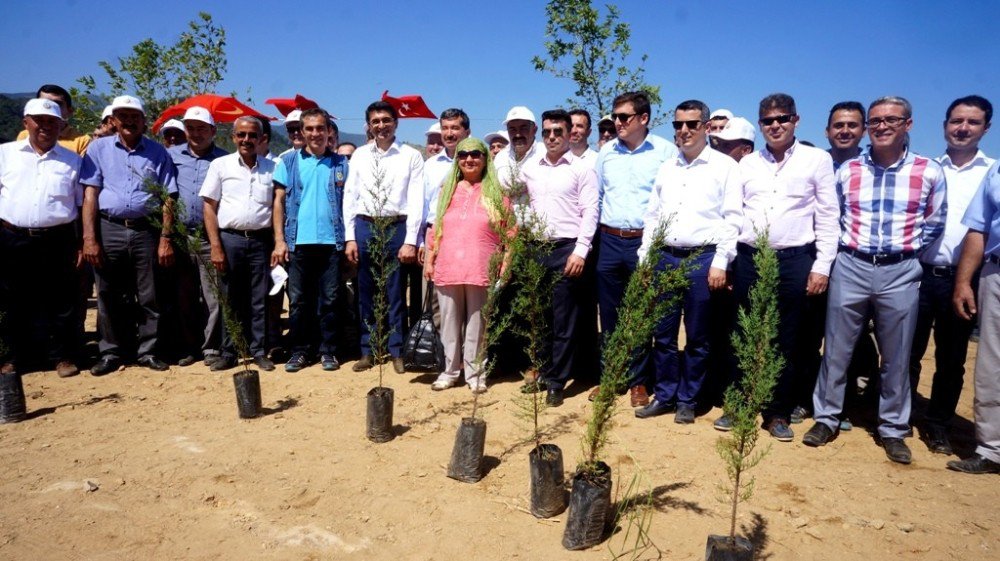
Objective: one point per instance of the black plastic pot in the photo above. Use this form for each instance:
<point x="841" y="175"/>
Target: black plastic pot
<point x="548" y="488"/>
<point x="380" y="414"/>
<point x="467" y="455"/>
<point x="247" y="384"/>
<point x="590" y="512"/>
<point x="12" y="405"/>
<point x="721" y="548"/>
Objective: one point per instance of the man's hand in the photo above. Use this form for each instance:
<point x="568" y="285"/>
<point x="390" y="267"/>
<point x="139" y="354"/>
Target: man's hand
<point x="408" y="254"/>
<point x="79" y="259"/>
<point x="92" y="252"/>
<point x="574" y="266"/>
<point x="964" y="300"/>
<point x="165" y="252"/>
<point x="278" y="257"/>
<point x="716" y="278"/>
<point x="218" y="258"/>
<point x="351" y="252"/>
<point x="421" y="254"/>
<point x="816" y="284"/>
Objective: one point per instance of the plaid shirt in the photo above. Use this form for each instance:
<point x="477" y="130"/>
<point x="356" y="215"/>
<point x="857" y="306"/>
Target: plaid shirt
<point x="894" y="209"/>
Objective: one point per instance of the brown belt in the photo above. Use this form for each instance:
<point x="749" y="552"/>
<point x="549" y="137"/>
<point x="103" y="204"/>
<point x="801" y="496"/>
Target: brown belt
<point x="627" y="233"/>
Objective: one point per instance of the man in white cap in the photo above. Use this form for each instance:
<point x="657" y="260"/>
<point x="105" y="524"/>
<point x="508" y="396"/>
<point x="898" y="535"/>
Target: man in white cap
<point x="173" y="133"/>
<point x="238" y="194"/>
<point x="39" y="196"/>
<point x="122" y="240"/>
<point x="735" y="139"/>
<point x="605" y="131"/>
<point x="107" y="126"/>
<point x="193" y="325"/>
<point x="717" y="121"/>
<point x="293" y="128"/>
<point x="434" y="145"/>
<point x="497" y="141"/>
<point x="69" y="138"/>
<point x="521" y="130"/>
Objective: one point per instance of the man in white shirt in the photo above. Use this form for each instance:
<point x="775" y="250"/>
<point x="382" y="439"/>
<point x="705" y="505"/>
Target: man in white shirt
<point x="39" y="199"/>
<point x="386" y="180"/>
<point x="580" y="135"/>
<point x="966" y="122"/>
<point x="788" y="189"/>
<point x="238" y="194"/>
<point x="433" y="146"/>
<point x="521" y="130"/>
<point x="697" y="197"/>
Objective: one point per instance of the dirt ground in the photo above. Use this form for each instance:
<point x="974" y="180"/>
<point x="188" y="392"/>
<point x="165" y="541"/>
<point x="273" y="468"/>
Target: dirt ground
<point x="147" y="465"/>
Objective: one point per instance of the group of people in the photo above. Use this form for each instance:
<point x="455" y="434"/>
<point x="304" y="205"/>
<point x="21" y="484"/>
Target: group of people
<point x="881" y="236"/>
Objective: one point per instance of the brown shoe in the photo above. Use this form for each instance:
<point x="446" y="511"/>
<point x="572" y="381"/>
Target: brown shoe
<point x="8" y="368"/>
<point x="66" y="369"/>
<point x="639" y="396"/>
<point x="398" y="366"/>
<point x="593" y="393"/>
<point x="364" y="363"/>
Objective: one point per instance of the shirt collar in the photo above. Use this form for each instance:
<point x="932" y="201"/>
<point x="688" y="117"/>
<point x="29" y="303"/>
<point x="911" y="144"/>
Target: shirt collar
<point x="138" y="147"/>
<point x="256" y="162"/>
<point x="978" y="160"/>
<point x="394" y="147"/>
<point x="565" y="159"/>
<point x="620" y="147"/>
<point x="766" y="151"/>
<point x="305" y="154"/>
<point x="905" y="158"/>
<point x="443" y="157"/>
<point x="702" y="157"/>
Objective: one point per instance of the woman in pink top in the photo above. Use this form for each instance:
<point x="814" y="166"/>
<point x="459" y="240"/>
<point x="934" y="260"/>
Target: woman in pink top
<point x="463" y="242"/>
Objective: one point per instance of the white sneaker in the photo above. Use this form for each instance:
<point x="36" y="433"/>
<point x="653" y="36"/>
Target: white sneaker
<point x="439" y="385"/>
<point x="478" y="388"/>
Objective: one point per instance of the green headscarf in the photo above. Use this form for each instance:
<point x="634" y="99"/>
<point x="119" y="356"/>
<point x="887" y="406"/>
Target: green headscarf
<point x="491" y="194"/>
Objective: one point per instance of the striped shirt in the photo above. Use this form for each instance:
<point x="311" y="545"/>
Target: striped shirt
<point x="900" y="208"/>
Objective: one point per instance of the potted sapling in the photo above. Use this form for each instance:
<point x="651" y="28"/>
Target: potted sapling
<point x="13" y="407"/>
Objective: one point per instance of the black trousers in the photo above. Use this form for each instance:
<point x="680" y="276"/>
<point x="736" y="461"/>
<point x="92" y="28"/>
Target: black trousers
<point x="38" y="281"/>
<point x="246" y="284"/>
<point x="563" y="317"/>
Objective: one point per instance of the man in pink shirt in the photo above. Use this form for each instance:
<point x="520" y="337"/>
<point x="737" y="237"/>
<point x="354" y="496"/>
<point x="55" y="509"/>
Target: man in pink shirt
<point x="563" y="193"/>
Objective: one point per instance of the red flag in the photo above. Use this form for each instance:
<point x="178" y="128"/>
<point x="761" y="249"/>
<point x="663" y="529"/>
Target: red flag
<point x="287" y="105"/>
<point x="409" y="106"/>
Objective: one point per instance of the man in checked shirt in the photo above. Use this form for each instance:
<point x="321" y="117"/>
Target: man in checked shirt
<point x="892" y="207"/>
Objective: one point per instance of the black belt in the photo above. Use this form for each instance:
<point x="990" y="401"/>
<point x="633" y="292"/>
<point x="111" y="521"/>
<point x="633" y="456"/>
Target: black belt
<point x="253" y="234"/>
<point x="687" y="251"/>
<point x="879" y="258"/>
<point x="141" y="223"/>
<point x="943" y="271"/>
<point x="995" y="259"/>
<point x="627" y="233"/>
<point x="397" y="219"/>
<point x="781" y="253"/>
<point x="35" y="232"/>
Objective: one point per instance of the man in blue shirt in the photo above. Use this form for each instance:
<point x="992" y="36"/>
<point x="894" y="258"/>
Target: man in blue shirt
<point x="309" y="236"/>
<point x="121" y="238"/>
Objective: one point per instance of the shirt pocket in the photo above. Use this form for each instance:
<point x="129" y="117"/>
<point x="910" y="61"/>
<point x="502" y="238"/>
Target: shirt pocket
<point x="61" y="187"/>
<point x="262" y="190"/>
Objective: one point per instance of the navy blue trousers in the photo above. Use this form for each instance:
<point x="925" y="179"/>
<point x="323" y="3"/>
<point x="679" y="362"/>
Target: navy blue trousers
<point x="366" y="285"/>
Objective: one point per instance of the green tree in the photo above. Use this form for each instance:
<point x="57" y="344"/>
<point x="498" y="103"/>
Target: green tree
<point x="592" y="51"/>
<point x="158" y="74"/>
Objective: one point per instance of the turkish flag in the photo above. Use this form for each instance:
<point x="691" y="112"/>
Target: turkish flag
<point x="409" y="106"/>
<point x="287" y="105"/>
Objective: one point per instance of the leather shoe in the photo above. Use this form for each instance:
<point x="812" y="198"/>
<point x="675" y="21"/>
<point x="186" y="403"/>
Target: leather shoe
<point x="818" y="435"/>
<point x="187" y="360"/>
<point x="655" y="409"/>
<point x="329" y="363"/>
<point x="106" y="365"/>
<point x="638" y="396"/>
<point x="398" y="366"/>
<point x="554" y="397"/>
<point x="684" y="415"/>
<point x="153" y="363"/>
<point x="593" y="393"/>
<point x="66" y="369"/>
<point x="723" y="423"/>
<point x="223" y="363"/>
<point x="780" y="431"/>
<point x="263" y="363"/>
<point x="363" y="363"/>
<point x="975" y="465"/>
<point x="8" y="368"/>
<point x="937" y="439"/>
<point x="897" y="450"/>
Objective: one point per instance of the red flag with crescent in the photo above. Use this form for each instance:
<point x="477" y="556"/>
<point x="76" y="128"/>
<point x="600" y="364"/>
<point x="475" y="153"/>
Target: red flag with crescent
<point x="409" y="106"/>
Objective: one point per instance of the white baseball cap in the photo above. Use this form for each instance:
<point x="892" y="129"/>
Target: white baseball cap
<point x="294" y="116"/>
<point x="42" y="107"/>
<point x="519" y="113"/>
<point x="106" y="113"/>
<point x="198" y="114"/>
<point x="435" y="129"/>
<point x="495" y="135"/>
<point x="721" y="114"/>
<point x="737" y="128"/>
<point x="127" y="102"/>
<point x="172" y="124"/>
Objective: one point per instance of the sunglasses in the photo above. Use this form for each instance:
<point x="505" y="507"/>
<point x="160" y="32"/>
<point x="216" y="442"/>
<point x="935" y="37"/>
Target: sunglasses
<point x="556" y="132"/>
<point x="245" y="134"/>
<point x="780" y="119"/>
<point x="623" y="118"/>
<point x="293" y="130"/>
<point x="891" y="122"/>
<point x="474" y="154"/>
<point x="693" y="124"/>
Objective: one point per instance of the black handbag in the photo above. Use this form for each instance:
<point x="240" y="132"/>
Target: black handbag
<point x="423" y="351"/>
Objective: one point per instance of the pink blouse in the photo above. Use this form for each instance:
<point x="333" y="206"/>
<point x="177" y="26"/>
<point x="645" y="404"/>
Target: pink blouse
<point x="467" y="241"/>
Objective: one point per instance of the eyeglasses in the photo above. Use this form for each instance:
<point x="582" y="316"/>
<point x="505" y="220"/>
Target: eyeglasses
<point x="556" y="132"/>
<point x="891" y="122"/>
<point x="780" y="119"/>
<point x="693" y="124"/>
<point x="246" y="134"/>
<point x="293" y="130"/>
<point x="623" y="118"/>
<point x="474" y="154"/>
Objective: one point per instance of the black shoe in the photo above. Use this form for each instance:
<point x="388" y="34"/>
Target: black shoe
<point x="778" y="428"/>
<point x="153" y="363"/>
<point x="329" y="363"/>
<point x="975" y="465"/>
<point x="799" y="414"/>
<point x="818" y="435"/>
<point x="937" y="439"/>
<point x="296" y="363"/>
<point x="263" y="363"/>
<point x="211" y="359"/>
<point x="106" y="365"/>
<point x="685" y="414"/>
<point x="277" y="354"/>
<point x="655" y="409"/>
<point x="187" y="360"/>
<point x="554" y="397"/>
<point x="223" y="363"/>
<point x="897" y="450"/>
<point x="363" y="363"/>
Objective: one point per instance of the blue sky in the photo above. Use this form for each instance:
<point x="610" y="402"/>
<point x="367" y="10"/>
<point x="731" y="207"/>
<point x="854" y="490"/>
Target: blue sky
<point x="476" y="55"/>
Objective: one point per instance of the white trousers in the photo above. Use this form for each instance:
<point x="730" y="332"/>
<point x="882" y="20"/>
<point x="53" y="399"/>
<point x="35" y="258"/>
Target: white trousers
<point x="986" y="405"/>
<point x="461" y="330"/>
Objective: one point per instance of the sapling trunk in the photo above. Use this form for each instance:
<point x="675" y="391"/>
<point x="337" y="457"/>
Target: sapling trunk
<point x="383" y="265"/>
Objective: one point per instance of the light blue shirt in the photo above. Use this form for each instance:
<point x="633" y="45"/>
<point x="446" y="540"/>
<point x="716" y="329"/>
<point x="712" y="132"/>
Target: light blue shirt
<point x="983" y="214"/>
<point x="625" y="179"/>
<point x="315" y="217"/>
<point x="122" y="175"/>
<point x="191" y="172"/>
